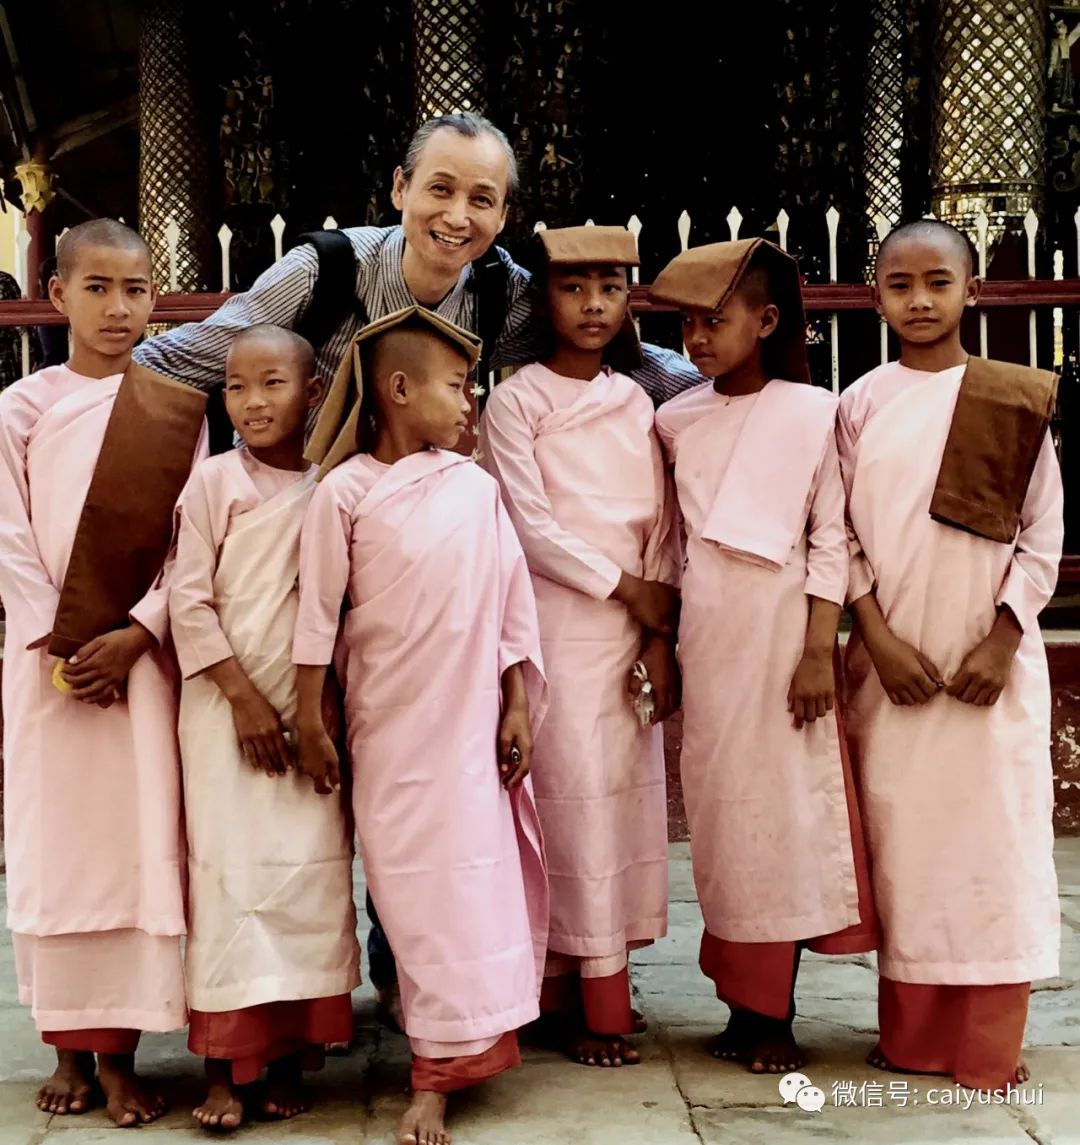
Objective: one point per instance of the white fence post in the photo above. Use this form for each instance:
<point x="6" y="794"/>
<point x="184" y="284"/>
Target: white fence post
<point x="1031" y="226"/>
<point x="832" y="221"/>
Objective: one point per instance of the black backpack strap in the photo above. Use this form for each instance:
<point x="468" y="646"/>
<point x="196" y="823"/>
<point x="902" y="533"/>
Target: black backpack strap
<point x="334" y="297"/>
<point x="490" y="281"/>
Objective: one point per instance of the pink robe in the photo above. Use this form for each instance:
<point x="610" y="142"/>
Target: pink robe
<point x="92" y="796"/>
<point x="269" y="859"/>
<point x="583" y="481"/>
<point x="770" y="836"/>
<point x="441" y="605"/>
<point x="958" y="799"/>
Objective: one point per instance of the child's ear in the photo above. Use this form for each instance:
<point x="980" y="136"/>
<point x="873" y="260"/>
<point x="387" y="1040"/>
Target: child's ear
<point x="770" y="319"/>
<point x="399" y="387"/>
<point x="153" y="294"/>
<point x="875" y="294"/>
<point x="974" y="291"/>
<point x="56" y="293"/>
<point x="314" y="391"/>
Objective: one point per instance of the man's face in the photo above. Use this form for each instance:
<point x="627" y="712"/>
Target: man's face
<point x="454" y="206"/>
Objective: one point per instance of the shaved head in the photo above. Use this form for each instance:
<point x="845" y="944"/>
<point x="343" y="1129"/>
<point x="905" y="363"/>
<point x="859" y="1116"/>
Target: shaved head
<point x="97" y="233"/>
<point x="411" y="350"/>
<point x="277" y="337"/>
<point x="929" y="231"/>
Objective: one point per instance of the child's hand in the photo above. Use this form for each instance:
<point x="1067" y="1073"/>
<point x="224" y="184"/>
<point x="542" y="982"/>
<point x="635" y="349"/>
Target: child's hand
<point x="260" y="732"/>
<point x="985" y="670"/>
<point x="98" y="670"/>
<point x="908" y="677"/>
<point x="658" y="657"/>
<point x="813" y="688"/>
<point x="653" y="604"/>
<point x="515" y="746"/>
<point x="317" y="758"/>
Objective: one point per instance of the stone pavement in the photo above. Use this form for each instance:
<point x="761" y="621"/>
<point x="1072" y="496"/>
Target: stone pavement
<point x="678" y="1095"/>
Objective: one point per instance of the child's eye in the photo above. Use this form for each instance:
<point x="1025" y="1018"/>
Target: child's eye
<point x="897" y="287"/>
<point x="571" y="288"/>
<point x="612" y="288"/>
<point x="940" y="283"/>
<point x="712" y="323"/>
<point x="136" y="290"/>
<point x="95" y="288"/>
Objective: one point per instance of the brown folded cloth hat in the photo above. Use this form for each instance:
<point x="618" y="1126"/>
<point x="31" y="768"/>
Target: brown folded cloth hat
<point x="705" y="277"/>
<point x="599" y="246"/>
<point x="1001" y="416"/>
<point x="335" y="435"/>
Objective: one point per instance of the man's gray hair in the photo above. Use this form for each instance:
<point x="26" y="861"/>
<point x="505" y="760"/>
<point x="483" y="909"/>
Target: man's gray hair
<point x="471" y="126"/>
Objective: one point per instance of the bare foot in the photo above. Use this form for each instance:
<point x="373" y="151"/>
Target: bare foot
<point x="588" y="1048"/>
<point x="222" y="1108"/>
<point x="424" y="1122"/>
<point x="641" y="1023"/>
<point x="128" y="1100"/>
<point x="1023" y="1074"/>
<point x="876" y="1057"/>
<point x="285" y="1093"/>
<point x="389" y="1008"/>
<point x="735" y="1041"/>
<point x="775" y="1050"/>
<point x="337" y="1049"/>
<point x="71" y="1087"/>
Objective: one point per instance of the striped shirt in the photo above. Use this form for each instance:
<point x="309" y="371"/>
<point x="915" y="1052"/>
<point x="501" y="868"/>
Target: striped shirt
<point x="195" y="352"/>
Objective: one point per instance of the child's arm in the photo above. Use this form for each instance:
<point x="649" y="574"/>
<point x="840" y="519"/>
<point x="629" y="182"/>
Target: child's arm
<point x="1027" y="588"/>
<point x="515" y="732"/>
<point x="202" y="647"/>
<point x="813" y="687"/>
<point x="316" y="755"/>
<point x="663" y="563"/>
<point x="98" y="671"/>
<point x="908" y="677"/>
<point x="24" y="583"/>
<point x="324" y="579"/>
<point x="507" y="445"/>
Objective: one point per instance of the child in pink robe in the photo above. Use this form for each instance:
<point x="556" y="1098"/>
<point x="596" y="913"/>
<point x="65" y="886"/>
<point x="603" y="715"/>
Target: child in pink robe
<point x="949" y="714"/>
<point x="271" y="952"/>
<point x="91" y="772"/>
<point x="572" y="445"/>
<point x="440" y="653"/>
<point x="774" y="829"/>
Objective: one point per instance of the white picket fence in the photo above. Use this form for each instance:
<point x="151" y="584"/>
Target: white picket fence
<point x="684" y="226"/>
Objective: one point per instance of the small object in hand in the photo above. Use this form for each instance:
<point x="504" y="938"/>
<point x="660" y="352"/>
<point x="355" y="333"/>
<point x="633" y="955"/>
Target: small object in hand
<point x="59" y="683"/>
<point x="644" y="701"/>
<point x="515" y="755"/>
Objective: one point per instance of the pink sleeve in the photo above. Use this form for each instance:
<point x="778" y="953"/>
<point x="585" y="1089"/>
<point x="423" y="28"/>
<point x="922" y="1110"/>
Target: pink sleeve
<point x="860" y="575"/>
<point x="24" y="583"/>
<point x="507" y="449"/>
<point x="1032" y="575"/>
<point x="196" y="630"/>
<point x="324" y="572"/>
<point x="663" y="548"/>
<point x="827" y="557"/>
<point x="152" y="612"/>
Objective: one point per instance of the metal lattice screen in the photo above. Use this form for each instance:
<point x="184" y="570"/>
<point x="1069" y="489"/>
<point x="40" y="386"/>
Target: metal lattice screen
<point x="988" y="128"/>
<point x="448" y="69"/>
<point x="173" y="162"/>
<point x="883" y="118"/>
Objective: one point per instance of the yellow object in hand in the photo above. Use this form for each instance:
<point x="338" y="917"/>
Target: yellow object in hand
<point x="59" y="683"/>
